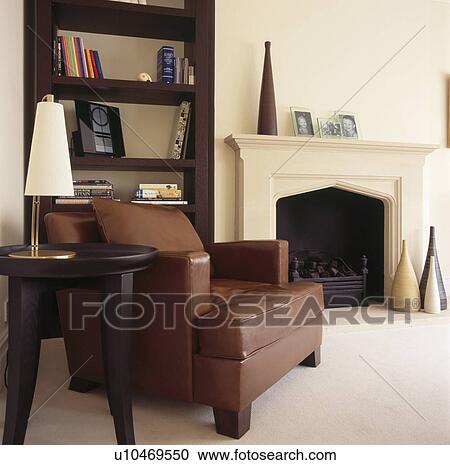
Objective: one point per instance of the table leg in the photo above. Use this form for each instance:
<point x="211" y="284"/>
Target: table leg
<point x="23" y="355"/>
<point x="116" y="346"/>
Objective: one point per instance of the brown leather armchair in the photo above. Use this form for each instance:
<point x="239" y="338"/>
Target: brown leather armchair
<point x="227" y="324"/>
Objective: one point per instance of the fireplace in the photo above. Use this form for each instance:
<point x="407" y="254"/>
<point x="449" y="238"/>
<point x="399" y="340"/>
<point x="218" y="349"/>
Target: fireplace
<point x="336" y="237"/>
<point x="272" y="168"/>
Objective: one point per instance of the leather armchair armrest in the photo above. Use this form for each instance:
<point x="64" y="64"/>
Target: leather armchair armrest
<point x="182" y="273"/>
<point x="260" y="261"/>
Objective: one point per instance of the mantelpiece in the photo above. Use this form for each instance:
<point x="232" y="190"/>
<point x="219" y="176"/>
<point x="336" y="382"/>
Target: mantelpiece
<point x="269" y="168"/>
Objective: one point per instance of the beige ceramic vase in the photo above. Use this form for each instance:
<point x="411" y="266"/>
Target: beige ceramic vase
<point x="405" y="288"/>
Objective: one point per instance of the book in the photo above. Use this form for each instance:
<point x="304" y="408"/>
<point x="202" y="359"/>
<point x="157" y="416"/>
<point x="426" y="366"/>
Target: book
<point x="73" y="55"/>
<point x="59" y="59"/>
<point x="160" y="202"/>
<point x="83" y="57"/>
<point x="179" y="130"/>
<point x="165" y="71"/>
<point x="98" y="64"/>
<point x="158" y="186"/>
<point x="65" y="59"/>
<point x="191" y="77"/>
<point x="89" y="63"/>
<point x="94" y="65"/>
<point x="158" y="194"/>
<point x="185" y="70"/>
<point x="79" y="56"/>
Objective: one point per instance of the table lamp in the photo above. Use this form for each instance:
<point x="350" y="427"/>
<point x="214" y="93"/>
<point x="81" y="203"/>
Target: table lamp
<point x="49" y="170"/>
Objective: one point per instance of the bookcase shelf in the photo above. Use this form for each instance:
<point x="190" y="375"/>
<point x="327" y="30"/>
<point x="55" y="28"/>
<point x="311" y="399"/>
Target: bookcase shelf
<point x="121" y="91"/>
<point x="125" y="19"/>
<point x="88" y="208"/>
<point x="192" y="25"/>
<point x="98" y="163"/>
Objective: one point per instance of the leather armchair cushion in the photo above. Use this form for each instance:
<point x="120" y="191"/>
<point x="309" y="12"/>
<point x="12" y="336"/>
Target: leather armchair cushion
<point x="261" y="261"/>
<point x="256" y="317"/>
<point x="166" y="228"/>
<point x="71" y="228"/>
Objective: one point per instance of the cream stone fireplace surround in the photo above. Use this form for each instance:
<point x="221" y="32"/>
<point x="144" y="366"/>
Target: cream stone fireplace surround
<point x="267" y="170"/>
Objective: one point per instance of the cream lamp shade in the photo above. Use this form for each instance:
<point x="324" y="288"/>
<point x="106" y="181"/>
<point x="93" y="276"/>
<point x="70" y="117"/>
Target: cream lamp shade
<point x="49" y="170"/>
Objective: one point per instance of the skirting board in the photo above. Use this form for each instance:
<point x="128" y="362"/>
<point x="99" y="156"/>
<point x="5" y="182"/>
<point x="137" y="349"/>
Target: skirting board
<point x="3" y="350"/>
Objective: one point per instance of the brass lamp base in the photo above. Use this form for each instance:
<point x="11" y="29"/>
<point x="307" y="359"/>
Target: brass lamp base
<point x="44" y="254"/>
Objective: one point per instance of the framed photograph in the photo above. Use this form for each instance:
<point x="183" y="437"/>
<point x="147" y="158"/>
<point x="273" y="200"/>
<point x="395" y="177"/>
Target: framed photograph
<point x="330" y="127"/>
<point x="302" y="119"/>
<point x="99" y="130"/>
<point x="350" y="127"/>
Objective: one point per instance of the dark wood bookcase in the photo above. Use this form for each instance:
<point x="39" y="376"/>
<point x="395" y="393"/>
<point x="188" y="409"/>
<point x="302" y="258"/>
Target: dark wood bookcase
<point x="193" y="25"/>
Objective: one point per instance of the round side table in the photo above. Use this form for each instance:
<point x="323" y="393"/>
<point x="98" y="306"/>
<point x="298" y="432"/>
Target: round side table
<point x="103" y="267"/>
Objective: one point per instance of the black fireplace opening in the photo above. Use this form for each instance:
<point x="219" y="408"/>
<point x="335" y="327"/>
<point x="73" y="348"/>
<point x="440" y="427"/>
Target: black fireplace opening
<point x="332" y="235"/>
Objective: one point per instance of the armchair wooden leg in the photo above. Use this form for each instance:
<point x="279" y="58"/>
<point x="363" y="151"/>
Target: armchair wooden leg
<point x="312" y="360"/>
<point x="232" y="424"/>
<point x="82" y="385"/>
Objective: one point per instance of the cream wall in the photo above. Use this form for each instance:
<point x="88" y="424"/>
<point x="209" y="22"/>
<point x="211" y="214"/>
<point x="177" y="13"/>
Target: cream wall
<point x="11" y="136"/>
<point x="323" y="51"/>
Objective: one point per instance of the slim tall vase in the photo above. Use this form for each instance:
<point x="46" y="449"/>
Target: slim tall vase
<point x="432" y="301"/>
<point x="267" y="120"/>
<point x="405" y="294"/>
<point x="432" y="251"/>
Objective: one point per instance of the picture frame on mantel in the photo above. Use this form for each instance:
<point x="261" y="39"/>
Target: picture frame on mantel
<point x="303" y="122"/>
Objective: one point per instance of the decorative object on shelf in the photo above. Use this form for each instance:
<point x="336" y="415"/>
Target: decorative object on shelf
<point x="302" y="120"/>
<point x="144" y="77"/>
<point x="330" y="127"/>
<point x="99" y="130"/>
<point x="73" y="60"/>
<point x="432" y="251"/>
<point x="49" y="171"/>
<point x="405" y="295"/>
<point x="267" y="120"/>
<point x="432" y="301"/>
<point x="349" y="124"/>
<point x="180" y="136"/>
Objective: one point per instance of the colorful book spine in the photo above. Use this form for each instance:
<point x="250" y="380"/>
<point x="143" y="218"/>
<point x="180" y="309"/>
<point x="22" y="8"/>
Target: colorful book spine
<point x="79" y="56"/>
<point x="72" y="59"/>
<point x="89" y="63"/>
<point x="94" y="66"/>
<point x="98" y="64"/>
<point x="82" y="57"/>
<point x="166" y="57"/>
<point x="66" y="59"/>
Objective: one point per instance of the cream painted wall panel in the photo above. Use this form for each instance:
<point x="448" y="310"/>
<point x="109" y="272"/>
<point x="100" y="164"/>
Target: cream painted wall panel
<point x="323" y="52"/>
<point x="11" y="137"/>
<point x="439" y="162"/>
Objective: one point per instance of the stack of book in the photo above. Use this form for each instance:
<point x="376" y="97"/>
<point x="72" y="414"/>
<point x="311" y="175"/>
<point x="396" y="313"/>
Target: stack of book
<point x="85" y="191"/>
<point x="159" y="194"/>
<point x="172" y="69"/>
<point x="73" y="60"/>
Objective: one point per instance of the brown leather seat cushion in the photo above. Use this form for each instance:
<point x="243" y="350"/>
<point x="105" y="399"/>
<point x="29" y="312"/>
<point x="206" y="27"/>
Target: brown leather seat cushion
<point x="250" y="316"/>
<point x="166" y="228"/>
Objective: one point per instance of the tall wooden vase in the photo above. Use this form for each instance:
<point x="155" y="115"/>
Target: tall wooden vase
<point x="432" y="252"/>
<point x="267" y="120"/>
<point x="405" y="289"/>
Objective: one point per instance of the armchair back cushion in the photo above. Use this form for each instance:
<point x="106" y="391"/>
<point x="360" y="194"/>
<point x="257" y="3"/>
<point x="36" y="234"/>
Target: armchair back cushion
<point x="71" y="228"/>
<point x="166" y="228"/>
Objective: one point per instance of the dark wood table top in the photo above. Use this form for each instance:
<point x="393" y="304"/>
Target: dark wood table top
<point x="92" y="260"/>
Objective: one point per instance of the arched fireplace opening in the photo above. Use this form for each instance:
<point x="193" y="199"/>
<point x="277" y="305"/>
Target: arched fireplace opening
<point x="330" y="231"/>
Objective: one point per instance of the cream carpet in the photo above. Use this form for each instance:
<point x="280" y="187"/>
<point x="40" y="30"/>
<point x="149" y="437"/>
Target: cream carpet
<point x="382" y="386"/>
